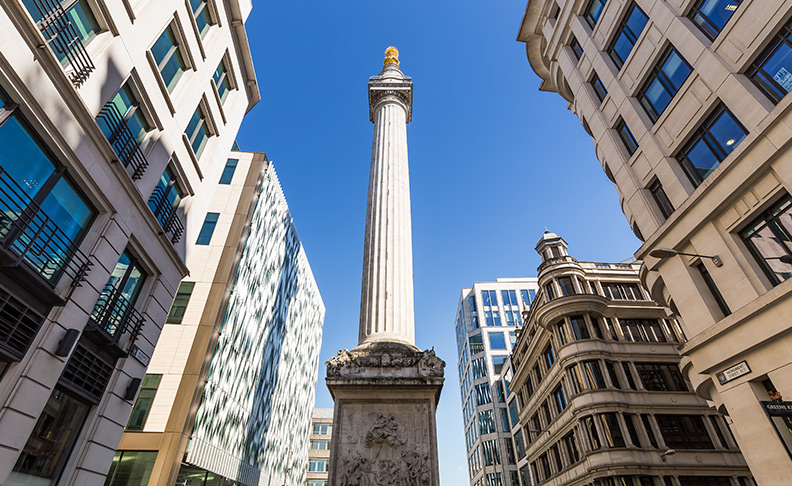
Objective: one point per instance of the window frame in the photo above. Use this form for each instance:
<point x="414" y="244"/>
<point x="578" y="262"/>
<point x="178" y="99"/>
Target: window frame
<point x="715" y="31"/>
<point x="599" y="87"/>
<point x="764" y="219"/>
<point x="180" y="46"/>
<point x="624" y="28"/>
<point x="629" y="142"/>
<point x="657" y="73"/>
<point x="587" y="12"/>
<point x="660" y="197"/>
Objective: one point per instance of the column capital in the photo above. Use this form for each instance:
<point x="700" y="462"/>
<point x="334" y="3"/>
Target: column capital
<point x="390" y="85"/>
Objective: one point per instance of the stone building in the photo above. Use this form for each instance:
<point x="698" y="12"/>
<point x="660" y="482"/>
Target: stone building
<point x="319" y="450"/>
<point x="686" y="104"/>
<point x="488" y="315"/>
<point x="116" y="119"/>
<point x="597" y="383"/>
<point x="228" y="396"/>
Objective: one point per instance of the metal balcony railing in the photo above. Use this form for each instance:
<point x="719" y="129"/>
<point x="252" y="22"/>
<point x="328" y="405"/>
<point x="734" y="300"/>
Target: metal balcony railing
<point x="64" y="39"/>
<point x="115" y="317"/>
<point x="166" y="214"/>
<point x="124" y="143"/>
<point x="33" y="237"/>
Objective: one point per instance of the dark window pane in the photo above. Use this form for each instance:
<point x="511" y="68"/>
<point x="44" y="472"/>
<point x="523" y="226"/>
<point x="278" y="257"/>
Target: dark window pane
<point x="768" y="238"/>
<point x="180" y="302"/>
<point x="610" y="427"/>
<point x="228" y="171"/>
<point x="628" y="31"/>
<point x="772" y="70"/>
<point x="599" y="88"/>
<point x="593" y="12"/>
<point x="140" y="412"/>
<point x="627" y="137"/>
<point x="497" y="340"/>
<point x="711" y="15"/>
<point x="577" y="50"/>
<point x="205" y="236"/>
<point x="663" y="83"/>
<point x="661" y="199"/>
<point x="684" y="432"/>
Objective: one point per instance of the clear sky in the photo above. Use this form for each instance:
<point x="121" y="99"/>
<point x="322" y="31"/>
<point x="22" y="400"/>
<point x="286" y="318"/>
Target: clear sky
<point x="492" y="160"/>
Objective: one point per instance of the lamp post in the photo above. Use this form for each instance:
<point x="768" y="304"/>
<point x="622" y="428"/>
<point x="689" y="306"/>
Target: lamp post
<point x="663" y="253"/>
<point x="669" y="452"/>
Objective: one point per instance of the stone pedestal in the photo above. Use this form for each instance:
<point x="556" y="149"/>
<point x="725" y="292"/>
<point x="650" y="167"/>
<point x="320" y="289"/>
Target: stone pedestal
<point x="384" y="431"/>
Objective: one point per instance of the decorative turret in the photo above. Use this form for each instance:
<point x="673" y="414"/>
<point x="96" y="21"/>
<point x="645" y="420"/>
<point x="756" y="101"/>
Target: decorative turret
<point x="550" y="246"/>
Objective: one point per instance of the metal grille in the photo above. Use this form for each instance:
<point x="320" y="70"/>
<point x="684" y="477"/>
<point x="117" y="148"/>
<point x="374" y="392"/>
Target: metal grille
<point x="87" y="373"/>
<point x="64" y="40"/>
<point x="115" y="316"/>
<point x="19" y="324"/>
<point x="35" y="238"/>
<point x="166" y="214"/>
<point x="123" y="141"/>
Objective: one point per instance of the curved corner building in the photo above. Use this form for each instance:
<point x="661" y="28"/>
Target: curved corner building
<point x="600" y="395"/>
<point x="686" y="102"/>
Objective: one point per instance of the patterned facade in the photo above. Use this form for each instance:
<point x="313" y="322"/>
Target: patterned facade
<point x="488" y="316"/>
<point x="115" y="119"/>
<point x="686" y="103"/>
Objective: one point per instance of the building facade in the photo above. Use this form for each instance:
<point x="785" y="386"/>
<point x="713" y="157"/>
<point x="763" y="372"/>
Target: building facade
<point x="597" y="383"/>
<point x="488" y="316"/>
<point x="686" y="103"/>
<point x="116" y="119"/>
<point x="319" y="450"/>
<point x="228" y="396"/>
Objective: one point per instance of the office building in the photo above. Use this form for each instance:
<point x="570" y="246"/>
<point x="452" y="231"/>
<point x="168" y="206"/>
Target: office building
<point x="319" y="450"/>
<point x="116" y="119"/>
<point x="488" y="316"/>
<point x="228" y="396"/>
<point x="598" y="389"/>
<point x="686" y="102"/>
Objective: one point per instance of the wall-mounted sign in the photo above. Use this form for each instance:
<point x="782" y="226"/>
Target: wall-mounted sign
<point x="139" y="355"/>
<point x="732" y="373"/>
<point x="778" y="408"/>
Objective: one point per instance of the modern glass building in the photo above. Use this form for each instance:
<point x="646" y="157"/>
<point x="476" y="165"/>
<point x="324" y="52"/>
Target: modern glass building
<point x="230" y="389"/>
<point x="488" y="316"/>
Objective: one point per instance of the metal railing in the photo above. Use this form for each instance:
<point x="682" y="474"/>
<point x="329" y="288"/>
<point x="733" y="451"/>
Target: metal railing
<point x="124" y="143"/>
<point x="115" y="316"/>
<point x="166" y="214"/>
<point x="64" y="39"/>
<point x="35" y="238"/>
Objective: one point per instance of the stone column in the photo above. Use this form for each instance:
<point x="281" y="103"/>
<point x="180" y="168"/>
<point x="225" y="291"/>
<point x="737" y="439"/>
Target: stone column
<point x="386" y="301"/>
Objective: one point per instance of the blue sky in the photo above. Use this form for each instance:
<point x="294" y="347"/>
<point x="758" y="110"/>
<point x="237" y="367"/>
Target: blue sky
<point x="492" y="160"/>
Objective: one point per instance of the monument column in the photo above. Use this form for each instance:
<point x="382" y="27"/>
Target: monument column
<point x="386" y="390"/>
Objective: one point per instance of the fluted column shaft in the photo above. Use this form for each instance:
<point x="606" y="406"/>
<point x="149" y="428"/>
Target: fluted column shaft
<point x="386" y="304"/>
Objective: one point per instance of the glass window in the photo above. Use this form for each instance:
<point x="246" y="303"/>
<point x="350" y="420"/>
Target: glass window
<point x="222" y="81"/>
<point x="577" y="50"/>
<point x="642" y="330"/>
<point x="661" y="377"/>
<point x="621" y="291"/>
<point x="118" y="297"/>
<point x="684" y="432"/>
<point x="166" y="197"/>
<point x="205" y="236"/>
<point x="717" y="137"/>
<point x="127" y="107"/>
<point x="628" y="374"/>
<point x="579" y="328"/>
<point x="317" y="465"/>
<point x="614" y="377"/>
<point x="180" y="302"/>
<point x="716" y="295"/>
<point x="566" y="286"/>
<point x="497" y="363"/>
<point x="320" y="444"/>
<point x="486" y="422"/>
<point x="610" y="428"/>
<point x="131" y="468"/>
<point x="168" y="57"/>
<point x="649" y="430"/>
<point x="772" y="70"/>
<point x="80" y="16"/>
<point x="549" y="356"/>
<point x="201" y="14"/>
<point x="483" y="394"/>
<point x="228" y="171"/>
<point x="626" y="136"/>
<point x="526" y="298"/>
<point x="661" y="199"/>
<point x="630" y="420"/>
<point x="476" y="344"/>
<point x="322" y="429"/>
<point x="711" y="15"/>
<point x="549" y="291"/>
<point x="573" y="452"/>
<point x="148" y="390"/>
<point x="560" y="398"/>
<point x="591" y="429"/>
<point x="576" y="378"/>
<point x="593" y="374"/>
<point x="666" y="78"/>
<point x="593" y="11"/>
<point x="627" y="33"/>
<point x="479" y="366"/>
<point x="599" y="88"/>
<point x="316" y="482"/>
<point x="769" y="237"/>
<point x="497" y="340"/>
<point x="198" y="132"/>
<point x="47" y="449"/>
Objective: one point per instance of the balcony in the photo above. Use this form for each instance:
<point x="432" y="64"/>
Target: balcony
<point x="29" y="235"/>
<point x="121" y="138"/>
<point x="63" y="38"/>
<point x="166" y="214"/>
<point x="19" y="325"/>
<point x="115" y="321"/>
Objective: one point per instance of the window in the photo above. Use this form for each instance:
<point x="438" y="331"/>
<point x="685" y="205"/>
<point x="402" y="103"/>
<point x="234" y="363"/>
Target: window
<point x="717" y="137"/>
<point x="509" y="298"/>
<point x="704" y="481"/>
<point x="661" y="199"/>
<point x="772" y="70"/>
<point x="591" y="430"/>
<point x="576" y="378"/>
<point x="222" y="81"/>
<point x="642" y="330"/>
<point x="560" y="398"/>
<point x="593" y="11"/>
<point x="566" y="286"/>
<point x="513" y="414"/>
<point x="649" y="430"/>
<point x="497" y="363"/>
<point x="492" y="317"/>
<point x="622" y="291"/>
<point x="320" y="444"/>
<point x="77" y="13"/>
<point x="180" y="302"/>
<point x="316" y="482"/>
<point x="497" y="340"/>
<point x="527" y="297"/>
<point x="476" y="344"/>
<point x="317" y="465"/>
<point x="549" y="291"/>
<point x="614" y="377"/>
<point x="479" y="366"/>
<point x="628" y="374"/>
<point x="483" y="394"/>
<point x="711" y="15"/>
<point x="203" y="19"/>
<point x="627" y="33"/>
<point x="114" y="311"/>
<point x="684" y="432"/>
<point x="549" y="356"/>
<point x="769" y="237"/>
<point x="593" y="374"/>
<point x="198" y="132"/>
<point x="577" y="49"/>
<point x="486" y="422"/>
<point x="168" y="58"/>
<point x="563" y="338"/>
<point x="490" y="452"/>
<point x="610" y="427"/>
<point x="164" y="201"/>
<point x="205" y="236"/>
<point x="716" y="295"/>
<point x="626" y="136"/>
<point x="599" y="87"/>
<point x="131" y="467"/>
<point x="573" y="452"/>
<point x="140" y="412"/>
<point x="322" y="429"/>
<point x="125" y="127"/>
<point x="666" y="78"/>
<point x="579" y="328"/>
<point x="661" y="377"/>
<point x="630" y="420"/>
